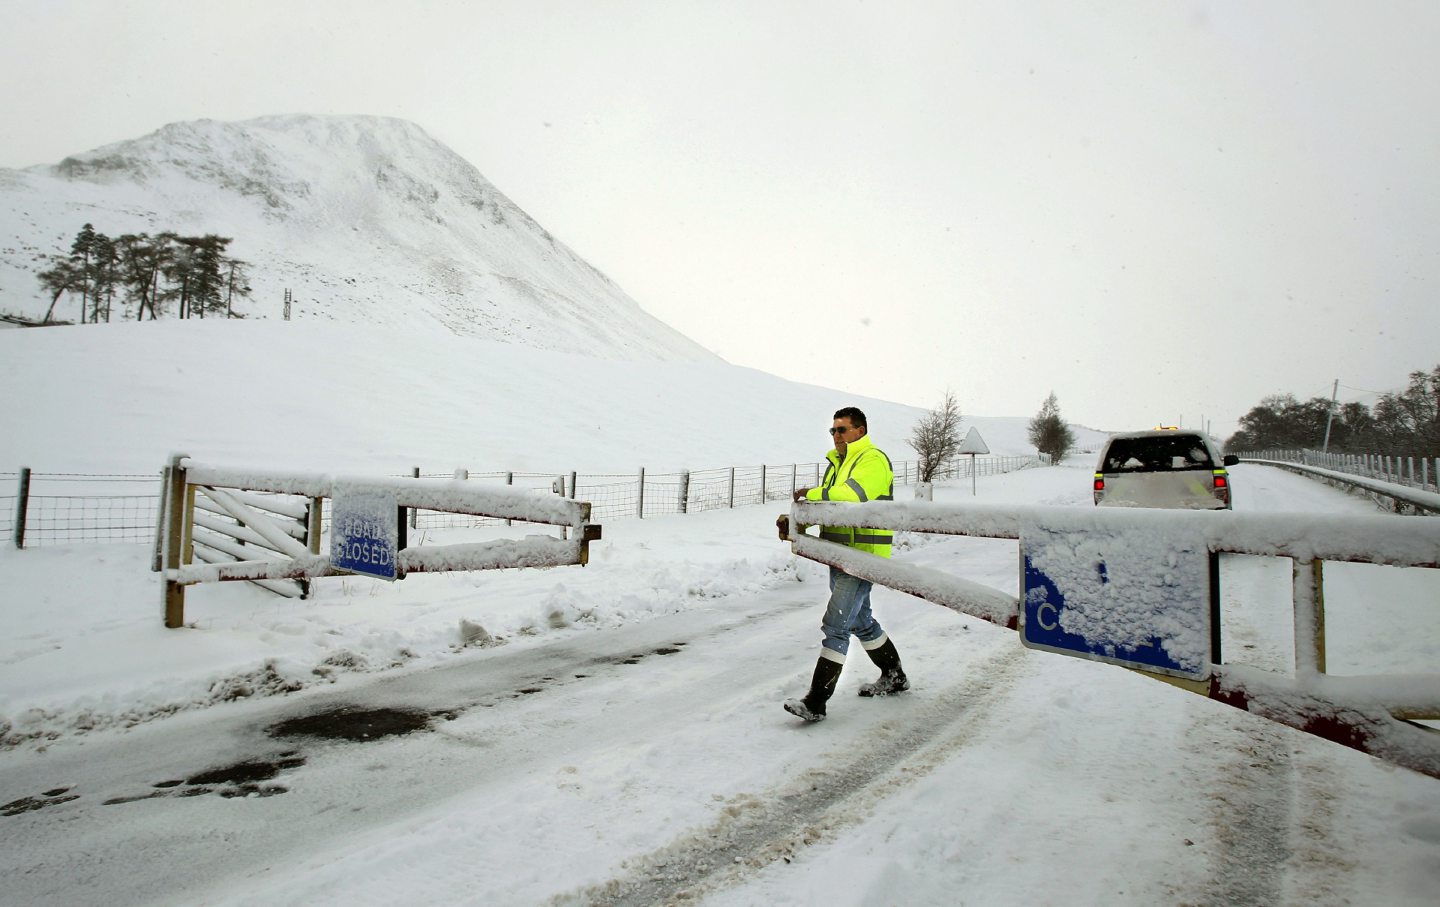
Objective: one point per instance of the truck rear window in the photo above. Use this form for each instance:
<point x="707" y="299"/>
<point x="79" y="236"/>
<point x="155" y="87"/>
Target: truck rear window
<point x="1156" y="454"/>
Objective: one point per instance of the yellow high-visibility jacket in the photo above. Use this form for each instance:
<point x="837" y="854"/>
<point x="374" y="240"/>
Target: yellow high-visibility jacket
<point x="865" y="474"/>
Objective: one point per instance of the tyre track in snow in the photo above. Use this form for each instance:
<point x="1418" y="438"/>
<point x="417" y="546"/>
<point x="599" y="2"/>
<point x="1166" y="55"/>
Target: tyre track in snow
<point x="1272" y="815"/>
<point x="755" y="830"/>
<point x="1253" y="789"/>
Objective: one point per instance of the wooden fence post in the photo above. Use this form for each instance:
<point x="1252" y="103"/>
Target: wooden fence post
<point x="640" y="503"/>
<point x="22" y="504"/>
<point x="732" y="487"/>
<point x="685" y="491"/>
<point x="177" y="499"/>
<point x="509" y="480"/>
<point x="762" y="483"/>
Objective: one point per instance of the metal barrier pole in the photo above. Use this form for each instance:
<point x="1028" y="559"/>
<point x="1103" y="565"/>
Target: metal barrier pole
<point x="414" y="474"/>
<point x="157" y="557"/>
<point x="22" y="504"/>
<point x="1309" y="599"/>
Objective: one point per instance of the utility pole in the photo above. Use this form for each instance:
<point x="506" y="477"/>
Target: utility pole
<point x="1330" y="417"/>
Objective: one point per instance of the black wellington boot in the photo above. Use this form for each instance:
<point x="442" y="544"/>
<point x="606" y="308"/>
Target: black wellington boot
<point x="892" y="677"/>
<point x="812" y="707"/>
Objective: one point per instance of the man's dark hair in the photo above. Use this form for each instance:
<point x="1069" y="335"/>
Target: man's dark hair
<point x="852" y="413"/>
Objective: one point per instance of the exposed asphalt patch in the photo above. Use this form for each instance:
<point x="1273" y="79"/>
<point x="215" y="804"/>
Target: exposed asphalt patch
<point x="240" y="779"/>
<point x="245" y="772"/>
<point x="354" y="724"/>
<point x="30" y="804"/>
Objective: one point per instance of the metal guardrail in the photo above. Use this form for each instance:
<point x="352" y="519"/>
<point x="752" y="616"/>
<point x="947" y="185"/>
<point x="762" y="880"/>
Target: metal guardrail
<point x="1372" y="714"/>
<point x="1414" y="472"/>
<point x="1417" y="499"/>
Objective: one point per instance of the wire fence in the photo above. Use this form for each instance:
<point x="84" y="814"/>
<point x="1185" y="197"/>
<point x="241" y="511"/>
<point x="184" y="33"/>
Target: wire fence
<point x="1417" y="472"/>
<point x="66" y="508"/>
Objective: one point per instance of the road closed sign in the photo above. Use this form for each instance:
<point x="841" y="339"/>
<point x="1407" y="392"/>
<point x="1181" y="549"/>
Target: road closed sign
<point x="364" y="530"/>
<point x="1131" y="597"/>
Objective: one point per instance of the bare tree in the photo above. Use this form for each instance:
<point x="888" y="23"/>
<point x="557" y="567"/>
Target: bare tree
<point x="936" y="437"/>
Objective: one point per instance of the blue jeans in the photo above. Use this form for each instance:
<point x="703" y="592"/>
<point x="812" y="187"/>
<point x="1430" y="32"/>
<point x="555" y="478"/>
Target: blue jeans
<point x="848" y="612"/>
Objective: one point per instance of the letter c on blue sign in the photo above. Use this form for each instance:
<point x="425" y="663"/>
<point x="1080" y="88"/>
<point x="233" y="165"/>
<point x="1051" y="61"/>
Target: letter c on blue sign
<point x="1040" y="617"/>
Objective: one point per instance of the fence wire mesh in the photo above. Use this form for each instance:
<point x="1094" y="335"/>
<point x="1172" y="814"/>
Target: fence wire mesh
<point x="68" y="508"/>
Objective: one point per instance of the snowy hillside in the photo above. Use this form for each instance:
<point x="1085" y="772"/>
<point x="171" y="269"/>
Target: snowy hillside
<point x="326" y="396"/>
<point x="365" y="219"/>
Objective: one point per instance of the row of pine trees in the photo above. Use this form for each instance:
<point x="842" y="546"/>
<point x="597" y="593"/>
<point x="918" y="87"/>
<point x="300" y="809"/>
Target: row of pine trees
<point x="159" y="276"/>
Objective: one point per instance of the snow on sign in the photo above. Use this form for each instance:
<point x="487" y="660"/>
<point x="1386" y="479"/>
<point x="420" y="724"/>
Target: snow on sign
<point x="973" y="443"/>
<point x="1128" y="597"/>
<point x="364" y="528"/>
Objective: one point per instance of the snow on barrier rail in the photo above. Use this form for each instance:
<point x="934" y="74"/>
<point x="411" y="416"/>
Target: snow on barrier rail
<point x="273" y="551"/>
<point x="1373" y="714"/>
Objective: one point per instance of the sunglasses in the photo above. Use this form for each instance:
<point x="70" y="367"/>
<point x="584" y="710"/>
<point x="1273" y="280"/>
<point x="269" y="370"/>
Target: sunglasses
<point x="840" y="430"/>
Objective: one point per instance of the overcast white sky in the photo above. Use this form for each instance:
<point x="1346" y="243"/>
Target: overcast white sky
<point x="1160" y="211"/>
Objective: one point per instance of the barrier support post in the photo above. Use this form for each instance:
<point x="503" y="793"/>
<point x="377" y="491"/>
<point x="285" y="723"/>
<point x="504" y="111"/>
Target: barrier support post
<point x="176" y="499"/>
<point x="414" y="512"/>
<point x="1309" y="598"/>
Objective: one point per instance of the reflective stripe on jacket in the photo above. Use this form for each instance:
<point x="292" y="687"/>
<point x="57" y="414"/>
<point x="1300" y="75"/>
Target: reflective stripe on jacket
<point x="865" y="474"/>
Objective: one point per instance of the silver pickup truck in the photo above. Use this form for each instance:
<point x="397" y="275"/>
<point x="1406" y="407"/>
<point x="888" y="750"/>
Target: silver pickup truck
<point x="1163" y="468"/>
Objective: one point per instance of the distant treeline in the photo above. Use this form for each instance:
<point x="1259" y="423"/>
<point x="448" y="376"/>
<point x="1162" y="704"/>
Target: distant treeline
<point x="165" y="274"/>
<point x="1405" y="424"/>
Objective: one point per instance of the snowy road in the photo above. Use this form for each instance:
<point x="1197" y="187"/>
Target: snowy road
<point x="622" y="742"/>
<point x="650" y="763"/>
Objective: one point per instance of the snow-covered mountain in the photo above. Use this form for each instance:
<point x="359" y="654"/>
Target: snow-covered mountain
<point x="365" y="219"/>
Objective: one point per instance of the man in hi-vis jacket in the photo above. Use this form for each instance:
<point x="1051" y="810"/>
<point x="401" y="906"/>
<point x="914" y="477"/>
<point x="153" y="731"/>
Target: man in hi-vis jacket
<point x="858" y="471"/>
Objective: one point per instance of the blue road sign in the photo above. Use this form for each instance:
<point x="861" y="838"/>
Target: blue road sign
<point x="364" y="529"/>
<point x="1138" y="599"/>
